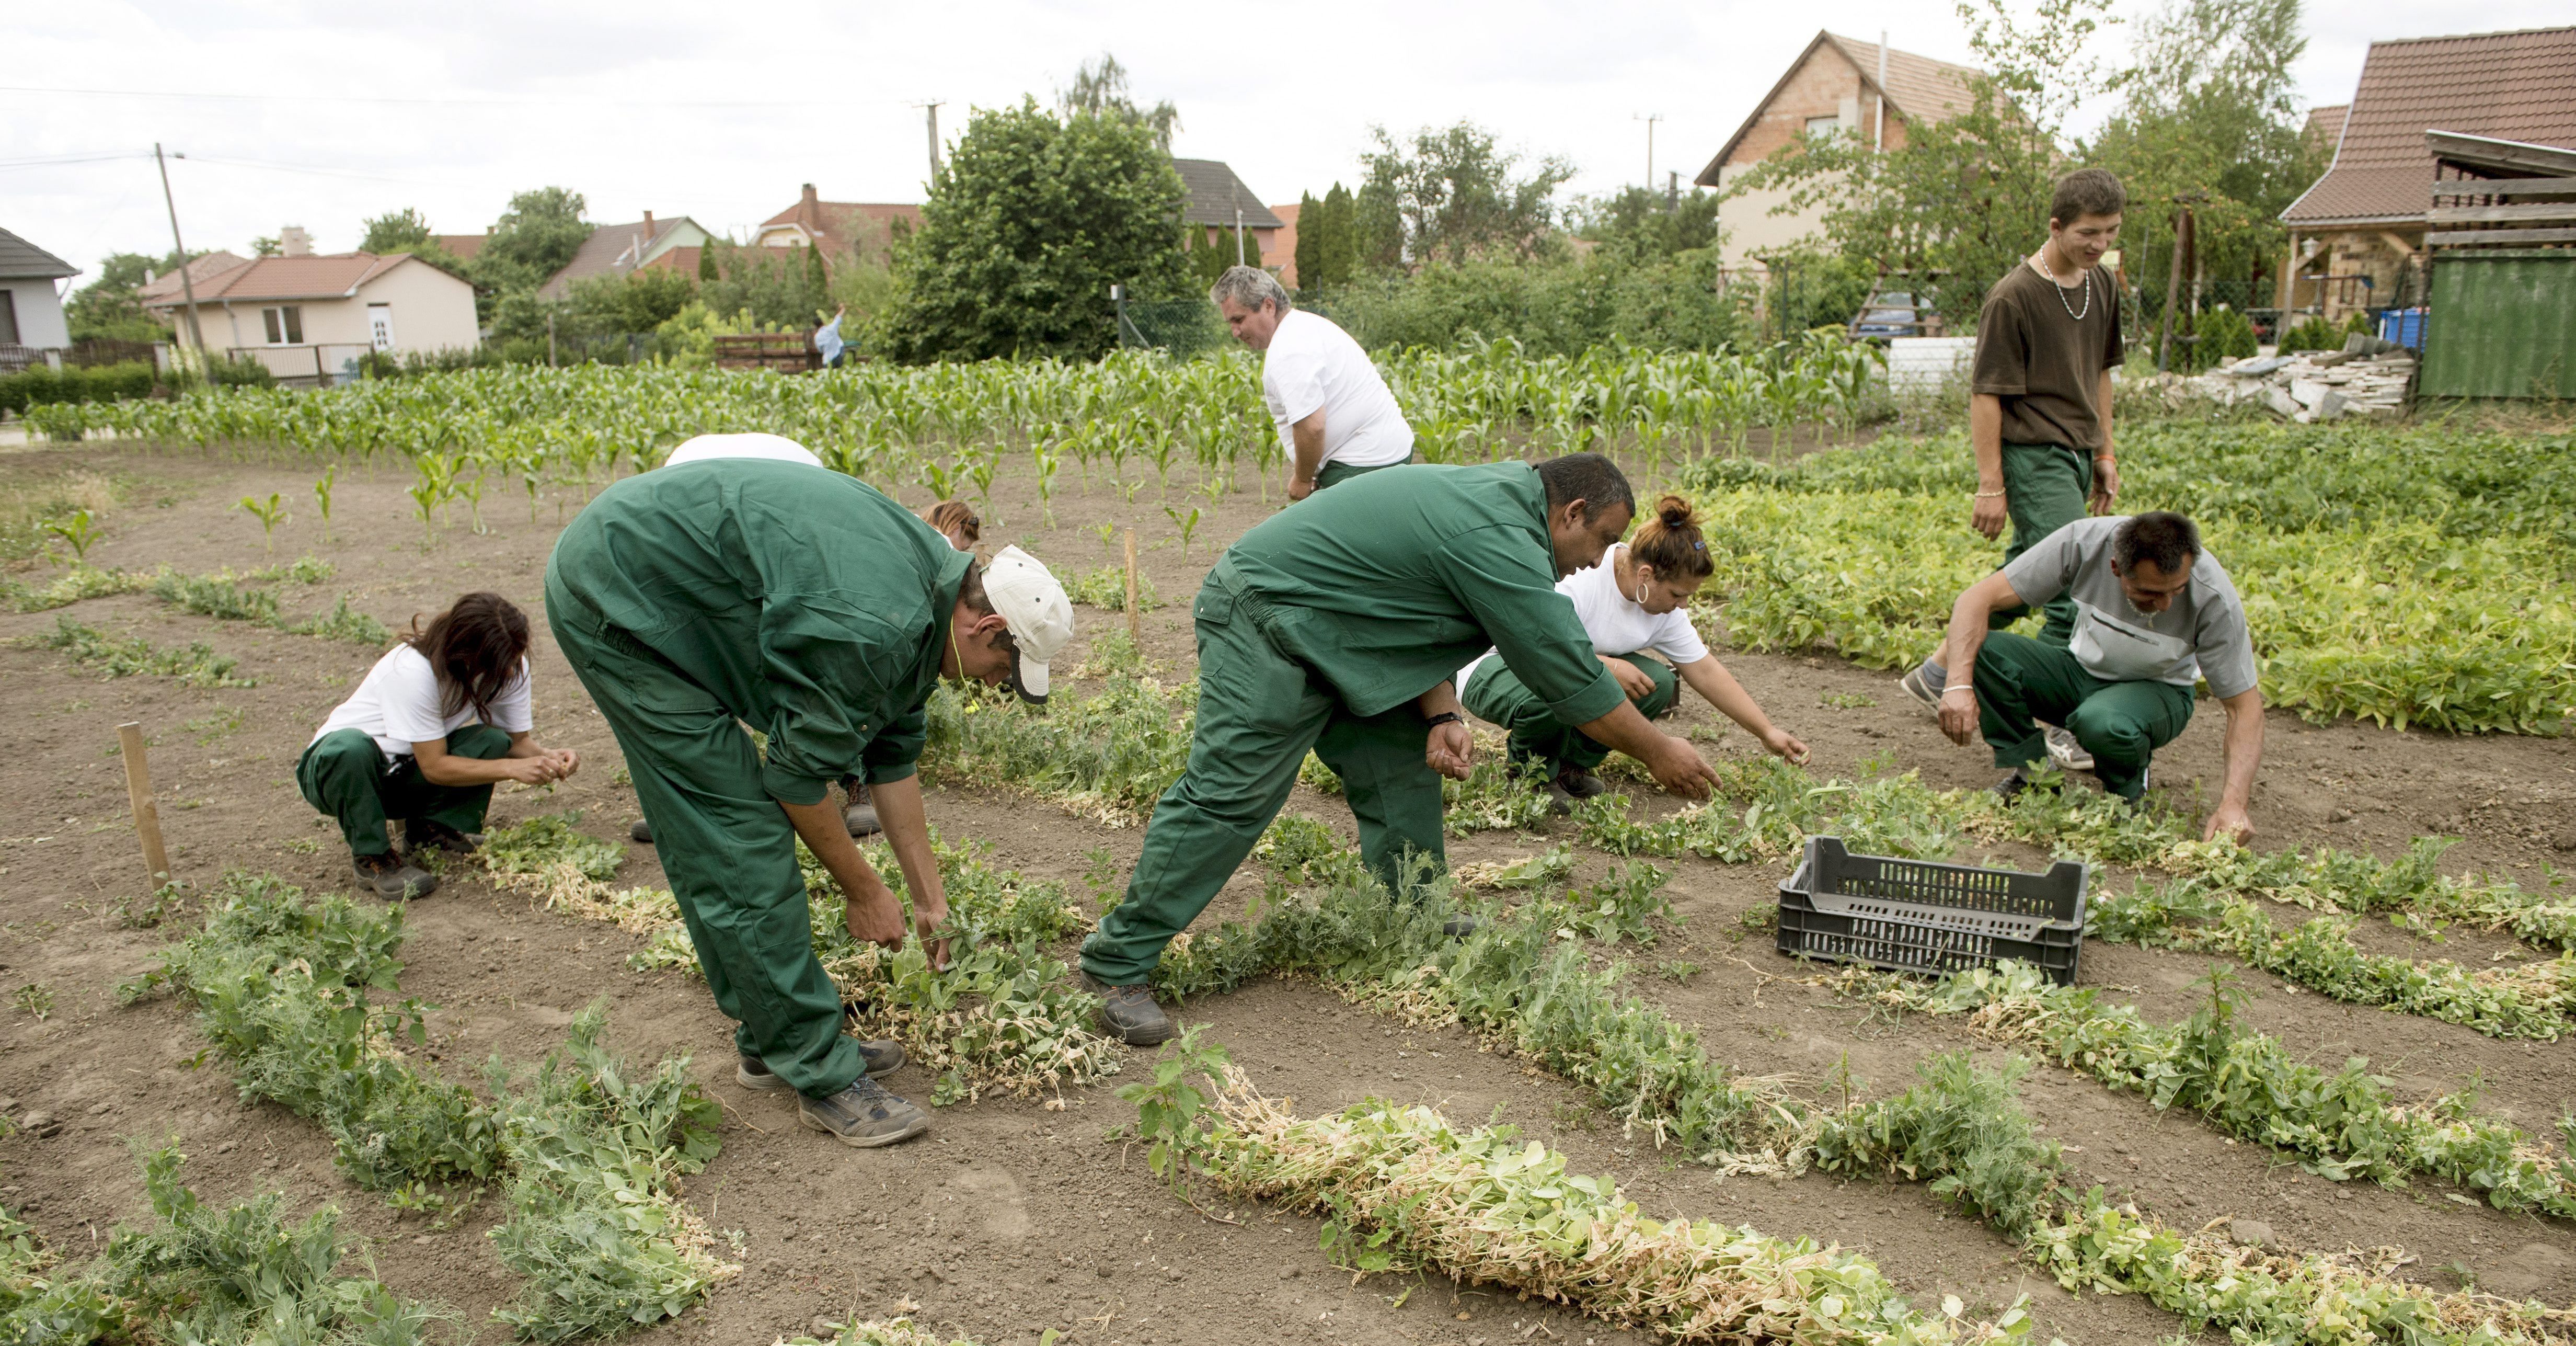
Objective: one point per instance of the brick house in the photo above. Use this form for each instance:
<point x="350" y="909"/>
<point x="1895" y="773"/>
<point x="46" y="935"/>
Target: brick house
<point x="2357" y="235"/>
<point x="1219" y="201"/>
<point x="622" y="249"/>
<point x="866" y="229"/>
<point x="1833" y="85"/>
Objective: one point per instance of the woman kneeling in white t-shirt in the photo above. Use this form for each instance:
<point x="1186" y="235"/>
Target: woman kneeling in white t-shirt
<point x="1633" y="602"/>
<point x="439" y="721"/>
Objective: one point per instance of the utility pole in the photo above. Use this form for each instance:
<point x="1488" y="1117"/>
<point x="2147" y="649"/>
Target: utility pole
<point x="1878" y="135"/>
<point x="931" y="106"/>
<point x="1649" y="119"/>
<point x="1238" y="236"/>
<point x="187" y="282"/>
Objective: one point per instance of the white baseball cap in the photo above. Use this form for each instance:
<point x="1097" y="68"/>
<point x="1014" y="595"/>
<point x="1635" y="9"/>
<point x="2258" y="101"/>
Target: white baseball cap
<point x="1038" y="614"/>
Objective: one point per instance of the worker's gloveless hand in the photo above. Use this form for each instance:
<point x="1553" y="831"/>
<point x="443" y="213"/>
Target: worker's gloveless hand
<point x="1785" y="746"/>
<point x="1451" y="750"/>
<point x="1300" y="487"/>
<point x="1632" y="679"/>
<point x="875" y="917"/>
<point x="1990" y="516"/>
<point x="1959" y="716"/>
<point x="929" y="912"/>
<point x="2229" y="821"/>
<point x="2106" y="488"/>
<point x="532" y="770"/>
<point x="1678" y="768"/>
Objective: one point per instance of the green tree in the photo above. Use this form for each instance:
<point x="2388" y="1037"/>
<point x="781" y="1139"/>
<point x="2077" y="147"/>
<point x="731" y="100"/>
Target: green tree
<point x="707" y="262"/>
<point x="407" y="230"/>
<point x="110" y="307"/>
<point x="1451" y="195"/>
<point x="638" y="301"/>
<point x="1327" y="246"/>
<point x="1639" y="224"/>
<point x="2208" y="110"/>
<point x="1101" y="91"/>
<point x="1965" y="197"/>
<point x="1029" y="223"/>
<point x="532" y="240"/>
<point x="1309" y="253"/>
<point x="780" y="286"/>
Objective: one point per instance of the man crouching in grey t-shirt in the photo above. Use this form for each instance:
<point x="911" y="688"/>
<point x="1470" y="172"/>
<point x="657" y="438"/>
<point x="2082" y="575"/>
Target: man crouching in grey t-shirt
<point x="2154" y="614"/>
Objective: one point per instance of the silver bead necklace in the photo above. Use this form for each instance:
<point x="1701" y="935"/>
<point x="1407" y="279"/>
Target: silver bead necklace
<point x="2071" y="310"/>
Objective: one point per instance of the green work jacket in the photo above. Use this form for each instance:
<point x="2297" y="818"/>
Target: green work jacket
<point x="1387" y="585"/>
<point x="808" y="603"/>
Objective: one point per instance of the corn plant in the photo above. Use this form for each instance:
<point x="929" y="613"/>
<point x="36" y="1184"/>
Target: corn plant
<point x="322" y="496"/>
<point x="1187" y="524"/>
<point x="270" y="515"/>
<point x="76" y="531"/>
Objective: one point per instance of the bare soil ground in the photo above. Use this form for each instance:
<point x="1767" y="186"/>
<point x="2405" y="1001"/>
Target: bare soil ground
<point x="1010" y="1218"/>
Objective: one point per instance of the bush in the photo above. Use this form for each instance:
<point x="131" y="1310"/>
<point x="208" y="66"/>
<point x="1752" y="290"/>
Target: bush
<point x="2224" y="335"/>
<point x="2311" y="334"/>
<point x="1560" y="307"/>
<point x="39" y="385"/>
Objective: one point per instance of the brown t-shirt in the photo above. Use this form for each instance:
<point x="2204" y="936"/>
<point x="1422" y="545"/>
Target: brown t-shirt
<point x="2044" y="362"/>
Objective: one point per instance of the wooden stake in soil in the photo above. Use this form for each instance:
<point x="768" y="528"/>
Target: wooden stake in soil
<point x="1135" y="618"/>
<point x="138" y="793"/>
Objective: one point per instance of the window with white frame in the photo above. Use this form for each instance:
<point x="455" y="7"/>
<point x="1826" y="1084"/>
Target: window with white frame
<point x="285" y="325"/>
<point x="1823" y="126"/>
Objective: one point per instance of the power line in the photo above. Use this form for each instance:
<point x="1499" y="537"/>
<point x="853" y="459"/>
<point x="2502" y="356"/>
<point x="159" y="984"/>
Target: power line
<point x="51" y="160"/>
<point x="226" y="161"/>
<point x="449" y="101"/>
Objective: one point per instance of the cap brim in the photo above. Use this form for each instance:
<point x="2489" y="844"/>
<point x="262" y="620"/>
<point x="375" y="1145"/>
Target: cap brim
<point x="1029" y="679"/>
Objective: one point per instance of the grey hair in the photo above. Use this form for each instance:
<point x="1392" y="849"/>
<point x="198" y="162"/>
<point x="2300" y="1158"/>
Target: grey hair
<point x="1248" y="286"/>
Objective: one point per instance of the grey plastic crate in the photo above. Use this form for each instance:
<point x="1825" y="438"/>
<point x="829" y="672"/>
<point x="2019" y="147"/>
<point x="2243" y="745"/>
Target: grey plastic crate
<point x="1923" y="916"/>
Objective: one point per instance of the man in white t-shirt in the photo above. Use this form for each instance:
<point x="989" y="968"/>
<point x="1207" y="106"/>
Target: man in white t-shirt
<point x="1336" y="419"/>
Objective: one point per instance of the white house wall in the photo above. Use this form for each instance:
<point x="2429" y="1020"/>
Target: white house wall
<point x="433" y="311"/>
<point x="1751" y="228"/>
<point x="40" y="313"/>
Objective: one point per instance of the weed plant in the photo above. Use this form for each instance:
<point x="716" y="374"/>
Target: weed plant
<point x="195" y="664"/>
<point x="241" y="1273"/>
<point x="2342" y="1124"/>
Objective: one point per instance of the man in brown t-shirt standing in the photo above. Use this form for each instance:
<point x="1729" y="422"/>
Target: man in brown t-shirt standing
<point x="2039" y="406"/>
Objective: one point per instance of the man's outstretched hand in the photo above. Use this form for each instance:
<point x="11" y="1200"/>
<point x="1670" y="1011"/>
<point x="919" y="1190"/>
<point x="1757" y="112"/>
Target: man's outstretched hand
<point x="2230" y="821"/>
<point x="1679" y="769"/>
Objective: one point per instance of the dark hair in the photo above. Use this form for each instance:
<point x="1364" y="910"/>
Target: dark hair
<point x="970" y="591"/>
<point x="475" y="648"/>
<point x="1671" y="542"/>
<point x="2086" y="191"/>
<point x="2166" y="539"/>
<point x="953" y="516"/>
<point x="1587" y="477"/>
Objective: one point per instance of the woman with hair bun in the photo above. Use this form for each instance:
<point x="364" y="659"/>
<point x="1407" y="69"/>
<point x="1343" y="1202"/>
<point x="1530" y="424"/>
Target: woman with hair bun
<point x="442" y="718"/>
<point x="1634" y="602"/>
<point x="956" y="521"/>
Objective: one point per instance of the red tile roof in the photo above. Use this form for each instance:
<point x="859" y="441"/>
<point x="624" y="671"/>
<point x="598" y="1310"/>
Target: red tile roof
<point x="2509" y="86"/>
<point x="1918" y="88"/>
<point x="462" y="247"/>
<point x="202" y="270"/>
<point x="840" y="225"/>
<point x="316" y="277"/>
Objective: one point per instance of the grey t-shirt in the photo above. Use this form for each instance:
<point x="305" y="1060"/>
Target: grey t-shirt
<point x="2201" y="636"/>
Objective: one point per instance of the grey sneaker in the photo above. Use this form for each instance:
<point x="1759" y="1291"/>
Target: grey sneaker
<point x="883" y="1058"/>
<point x="863" y="1116"/>
<point x="1129" y="1012"/>
<point x="2064" y="750"/>
<point x="1913" y="685"/>
<point x="1459" y="926"/>
<point x="862" y="820"/>
<point x="392" y="877"/>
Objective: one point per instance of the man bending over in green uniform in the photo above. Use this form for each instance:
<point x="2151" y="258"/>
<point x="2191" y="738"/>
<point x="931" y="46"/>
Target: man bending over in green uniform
<point x="1338" y="625"/>
<point x="811" y="607"/>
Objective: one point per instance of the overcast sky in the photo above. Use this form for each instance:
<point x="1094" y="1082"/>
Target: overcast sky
<point x="321" y="114"/>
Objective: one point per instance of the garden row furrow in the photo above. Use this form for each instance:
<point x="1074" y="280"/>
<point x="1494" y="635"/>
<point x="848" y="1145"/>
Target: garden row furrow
<point x="591" y="1152"/>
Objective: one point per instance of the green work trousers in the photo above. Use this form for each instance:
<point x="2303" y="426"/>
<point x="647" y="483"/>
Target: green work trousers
<point x="2021" y="682"/>
<point x="1496" y="694"/>
<point x="726" y="847"/>
<point x="1259" y="712"/>
<point x="2045" y="489"/>
<point x="1333" y="474"/>
<point x="343" y="773"/>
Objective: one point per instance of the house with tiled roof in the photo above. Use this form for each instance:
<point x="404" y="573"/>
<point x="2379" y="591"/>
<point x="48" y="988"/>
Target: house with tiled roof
<point x="31" y="308"/>
<point x="2357" y="235"/>
<point x="623" y="249"/>
<point x="1836" y="84"/>
<point x="310" y="316"/>
<point x="863" y="229"/>
<point x="1221" y="203"/>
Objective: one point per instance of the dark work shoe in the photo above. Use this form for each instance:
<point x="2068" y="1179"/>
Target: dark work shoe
<point x="1579" y="783"/>
<point x="883" y="1058"/>
<point x="1129" y="1012"/>
<point x="393" y="878"/>
<point x="642" y="831"/>
<point x="2012" y="787"/>
<point x="863" y="1115"/>
<point x="862" y="820"/>
<point x="430" y="834"/>
<point x="1459" y="926"/>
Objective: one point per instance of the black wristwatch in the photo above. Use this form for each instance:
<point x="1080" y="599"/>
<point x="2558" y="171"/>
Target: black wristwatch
<point x="1444" y="717"/>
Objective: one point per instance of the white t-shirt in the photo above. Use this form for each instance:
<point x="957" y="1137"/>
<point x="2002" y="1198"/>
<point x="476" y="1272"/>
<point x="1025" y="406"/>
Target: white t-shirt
<point x="1616" y="623"/>
<point x="1313" y="363"/>
<point x="704" y="447"/>
<point x="398" y="705"/>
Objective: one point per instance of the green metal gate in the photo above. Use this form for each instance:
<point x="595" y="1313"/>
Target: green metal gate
<point x="2503" y="324"/>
